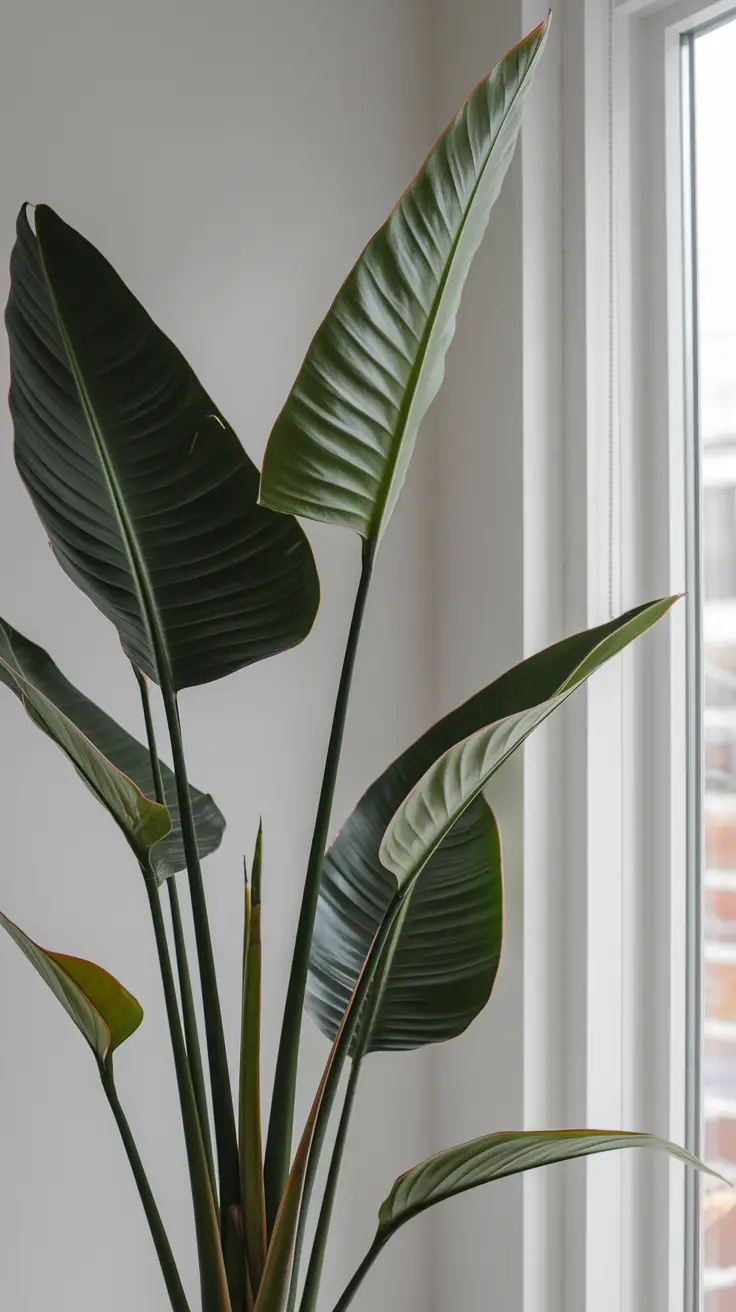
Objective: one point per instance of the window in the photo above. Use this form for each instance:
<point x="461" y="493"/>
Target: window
<point x="709" y="61"/>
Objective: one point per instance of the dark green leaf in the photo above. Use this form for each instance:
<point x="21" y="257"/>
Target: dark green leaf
<point x="447" y="955"/>
<point x="454" y="912"/>
<point x="148" y="498"/>
<point x="341" y="446"/>
<point x="144" y="823"/>
<point x="102" y="1010"/>
<point x="115" y="743"/>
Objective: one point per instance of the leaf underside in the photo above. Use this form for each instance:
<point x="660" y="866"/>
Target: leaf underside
<point x="457" y="777"/>
<point x="340" y="448"/>
<point x="117" y="745"/>
<point x="102" y="1010"/>
<point x="142" y="822"/>
<point x="496" y="1156"/>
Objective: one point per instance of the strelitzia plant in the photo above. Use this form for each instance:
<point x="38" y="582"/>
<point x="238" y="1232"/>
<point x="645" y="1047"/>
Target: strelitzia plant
<point x="154" y="509"/>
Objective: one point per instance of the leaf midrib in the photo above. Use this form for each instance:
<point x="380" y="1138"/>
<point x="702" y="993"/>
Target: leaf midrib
<point x="138" y="568"/>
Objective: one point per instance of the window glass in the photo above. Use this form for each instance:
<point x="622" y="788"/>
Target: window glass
<point x="713" y="136"/>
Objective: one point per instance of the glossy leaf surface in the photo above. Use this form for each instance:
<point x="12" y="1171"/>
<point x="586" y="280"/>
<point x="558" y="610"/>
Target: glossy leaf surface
<point x="147" y="496"/>
<point x="454" y="913"/>
<point x="144" y="823"/>
<point x="341" y="446"/>
<point x="121" y="748"/>
<point x="427" y="815"/>
<point x="102" y="1010"/>
<point x="445" y="963"/>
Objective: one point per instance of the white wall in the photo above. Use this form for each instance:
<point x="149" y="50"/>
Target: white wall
<point x="230" y="158"/>
<point x="498" y="584"/>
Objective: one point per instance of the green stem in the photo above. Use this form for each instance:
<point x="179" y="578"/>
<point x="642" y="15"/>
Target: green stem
<point x="353" y="1285"/>
<point x="364" y="1023"/>
<point x="319" y="1246"/>
<point x="222" y="1099"/>
<point x="172" y="1279"/>
<point x="343" y="1044"/>
<point x="281" y="1123"/>
<point x="215" y="1295"/>
<point x="191" y="1029"/>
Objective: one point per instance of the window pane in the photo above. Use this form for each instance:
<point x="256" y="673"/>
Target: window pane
<point x="714" y="124"/>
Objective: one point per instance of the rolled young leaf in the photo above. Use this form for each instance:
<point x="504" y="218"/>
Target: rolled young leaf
<point x="493" y="1157"/>
<point x="272" y="1295"/>
<point x="121" y="748"/>
<point x="147" y="496"/>
<point x="143" y="823"/>
<point x="249" y="1101"/>
<point x="102" y="1010"/>
<point x="452" y="910"/>
<point x="340" y="449"/>
<point x="448" y="787"/>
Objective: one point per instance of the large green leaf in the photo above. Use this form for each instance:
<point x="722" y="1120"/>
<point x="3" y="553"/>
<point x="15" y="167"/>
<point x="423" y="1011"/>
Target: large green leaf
<point x="484" y="1160"/>
<point x="341" y="446"/>
<point x="144" y="823"/>
<point x="449" y="786"/>
<point x="445" y="963"/>
<point x="115" y="743"/>
<point x="148" y="498"/>
<point x="102" y="1010"/>
<point x="495" y="1156"/>
<point x="455" y="908"/>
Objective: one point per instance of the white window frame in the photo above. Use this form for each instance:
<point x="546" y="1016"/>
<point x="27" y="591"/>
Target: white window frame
<point x="659" y="504"/>
<point x="634" y="274"/>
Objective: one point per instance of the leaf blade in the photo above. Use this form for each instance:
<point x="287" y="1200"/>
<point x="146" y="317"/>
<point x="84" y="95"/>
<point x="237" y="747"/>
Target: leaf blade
<point x="148" y="498"/>
<point x="143" y="822"/>
<point x="340" y="449"/>
<point x="105" y="1013"/>
<point x="116" y="744"/>
<point x="449" y="948"/>
<point x="496" y="1156"/>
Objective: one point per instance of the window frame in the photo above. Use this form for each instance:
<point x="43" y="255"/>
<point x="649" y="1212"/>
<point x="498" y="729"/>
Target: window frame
<point x="659" y="491"/>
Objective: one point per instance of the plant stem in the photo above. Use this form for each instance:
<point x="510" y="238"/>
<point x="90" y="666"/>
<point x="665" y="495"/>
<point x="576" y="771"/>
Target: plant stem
<point x="353" y="1285"/>
<point x="365" y="1021"/>
<point x="177" y="1297"/>
<point x="319" y="1246"/>
<point x="329" y="1085"/>
<point x="215" y="1295"/>
<point x="222" y="1100"/>
<point x="281" y="1123"/>
<point x="191" y="1030"/>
